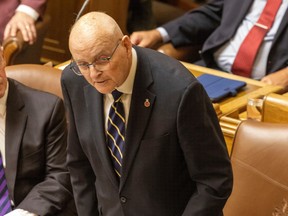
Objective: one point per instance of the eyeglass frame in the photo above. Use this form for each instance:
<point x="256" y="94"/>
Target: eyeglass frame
<point x="105" y="60"/>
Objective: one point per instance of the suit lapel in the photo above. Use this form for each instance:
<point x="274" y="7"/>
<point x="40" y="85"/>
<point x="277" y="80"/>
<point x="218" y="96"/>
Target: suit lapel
<point x="94" y="102"/>
<point x="243" y="8"/>
<point x="282" y="26"/>
<point x="15" y="126"/>
<point x="141" y="107"/>
<point x="138" y="120"/>
<point x="229" y="23"/>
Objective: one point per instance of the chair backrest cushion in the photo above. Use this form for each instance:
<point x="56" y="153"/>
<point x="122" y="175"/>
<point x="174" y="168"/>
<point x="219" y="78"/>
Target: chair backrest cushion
<point x="41" y="77"/>
<point x="260" y="168"/>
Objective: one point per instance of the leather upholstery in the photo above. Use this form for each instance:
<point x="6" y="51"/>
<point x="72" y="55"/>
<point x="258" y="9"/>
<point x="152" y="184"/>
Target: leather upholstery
<point x="259" y="161"/>
<point x="40" y="77"/>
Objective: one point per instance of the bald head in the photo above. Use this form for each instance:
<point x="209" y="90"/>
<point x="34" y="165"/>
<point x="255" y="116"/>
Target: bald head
<point x="94" y="27"/>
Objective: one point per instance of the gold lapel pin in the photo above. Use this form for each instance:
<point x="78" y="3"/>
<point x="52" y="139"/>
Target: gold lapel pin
<point x="147" y="103"/>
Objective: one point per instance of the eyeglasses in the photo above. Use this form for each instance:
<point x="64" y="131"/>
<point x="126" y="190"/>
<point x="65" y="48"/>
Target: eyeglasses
<point x="100" y="64"/>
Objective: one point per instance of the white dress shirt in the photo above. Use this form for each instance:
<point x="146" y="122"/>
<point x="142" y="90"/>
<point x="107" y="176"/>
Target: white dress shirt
<point x="3" y="102"/>
<point x="126" y="88"/>
<point x="28" y="10"/>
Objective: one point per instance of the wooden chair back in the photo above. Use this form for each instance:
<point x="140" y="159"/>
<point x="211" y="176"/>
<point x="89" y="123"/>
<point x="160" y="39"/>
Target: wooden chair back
<point x="275" y="108"/>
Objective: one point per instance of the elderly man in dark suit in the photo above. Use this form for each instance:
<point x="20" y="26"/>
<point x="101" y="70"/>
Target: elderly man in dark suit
<point x="21" y="15"/>
<point x="33" y="151"/>
<point x="221" y="26"/>
<point x="143" y="137"/>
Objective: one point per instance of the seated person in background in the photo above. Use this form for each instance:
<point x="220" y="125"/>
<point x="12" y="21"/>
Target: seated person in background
<point x="33" y="151"/>
<point x="20" y="15"/>
<point x="220" y="27"/>
<point x="147" y="155"/>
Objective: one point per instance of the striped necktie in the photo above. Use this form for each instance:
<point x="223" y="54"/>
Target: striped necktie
<point x="5" y="204"/>
<point x="247" y="52"/>
<point x="116" y="132"/>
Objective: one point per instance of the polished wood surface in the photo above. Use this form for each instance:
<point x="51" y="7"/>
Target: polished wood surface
<point x="275" y="108"/>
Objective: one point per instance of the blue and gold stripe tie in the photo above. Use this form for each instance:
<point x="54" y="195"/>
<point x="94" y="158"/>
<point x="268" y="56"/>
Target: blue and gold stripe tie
<point x="5" y="204"/>
<point x="116" y="132"/>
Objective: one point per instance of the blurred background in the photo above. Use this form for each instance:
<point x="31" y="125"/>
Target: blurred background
<point x="131" y="15"/>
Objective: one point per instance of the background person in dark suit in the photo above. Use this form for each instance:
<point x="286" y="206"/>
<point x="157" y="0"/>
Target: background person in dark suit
<point x="220" y="26"/>
<point x="33" y="148"/>
<point x="20" y="15"/>
<point x="175" y="160"/>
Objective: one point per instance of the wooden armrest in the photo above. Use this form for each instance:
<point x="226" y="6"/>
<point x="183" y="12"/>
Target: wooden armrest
<point x="12" y="46"/>
<point x="275" y="108"/>
<point x="17" y="51"/>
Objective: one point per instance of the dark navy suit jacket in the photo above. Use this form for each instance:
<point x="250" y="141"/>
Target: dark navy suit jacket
<point x="175" y="160"/>
<point x="35" y="149"/>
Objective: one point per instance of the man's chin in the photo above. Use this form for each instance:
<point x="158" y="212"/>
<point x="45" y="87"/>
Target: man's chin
<point x="103" y="88"/>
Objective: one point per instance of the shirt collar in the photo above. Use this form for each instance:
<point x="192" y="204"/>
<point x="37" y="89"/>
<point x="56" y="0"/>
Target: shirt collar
<point x="3" y="101"/>
<point x="127" y="86"/>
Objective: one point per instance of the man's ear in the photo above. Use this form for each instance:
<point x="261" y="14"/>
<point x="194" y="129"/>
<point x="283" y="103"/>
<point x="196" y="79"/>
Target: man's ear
<point x="126" y="41"/>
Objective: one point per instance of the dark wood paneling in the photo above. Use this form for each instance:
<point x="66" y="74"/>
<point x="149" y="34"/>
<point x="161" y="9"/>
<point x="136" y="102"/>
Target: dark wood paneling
<point x="63" y="14"/>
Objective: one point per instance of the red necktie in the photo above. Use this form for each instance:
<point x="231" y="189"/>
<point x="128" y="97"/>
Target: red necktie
<point x="247" y="52"/>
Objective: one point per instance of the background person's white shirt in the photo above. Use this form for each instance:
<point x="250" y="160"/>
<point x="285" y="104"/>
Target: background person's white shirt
<point x="28" y="10"/>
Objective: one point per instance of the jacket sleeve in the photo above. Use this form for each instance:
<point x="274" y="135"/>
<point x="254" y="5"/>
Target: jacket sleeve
<point x="82" y="175"/>
<point x="195" y="26"/>
<point x="37" y="5"/>
<point x="53" y="193"/>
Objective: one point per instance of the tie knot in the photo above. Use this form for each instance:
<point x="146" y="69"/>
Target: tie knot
<point x="116" y="95"/>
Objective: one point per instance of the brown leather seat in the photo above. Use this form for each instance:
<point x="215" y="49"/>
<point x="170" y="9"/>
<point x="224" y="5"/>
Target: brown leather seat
<point x="259" y="160"/>
<point x="17" y="51"/>
<point x="40" y="77"/>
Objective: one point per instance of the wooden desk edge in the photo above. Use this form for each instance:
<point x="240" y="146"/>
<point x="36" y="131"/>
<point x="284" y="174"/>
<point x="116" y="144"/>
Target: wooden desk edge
<point x="197" y="68"/>
<point x="62" y="65"/>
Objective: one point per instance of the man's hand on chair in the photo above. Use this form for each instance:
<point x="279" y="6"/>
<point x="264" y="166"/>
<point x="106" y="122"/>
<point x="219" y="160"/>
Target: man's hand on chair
<point x="23" y="22"/>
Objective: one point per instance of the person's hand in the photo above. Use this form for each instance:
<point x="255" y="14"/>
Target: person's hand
<point x="150" y="39"/>
<point x="24" y="23"/>
<point x="277" y="78"/>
